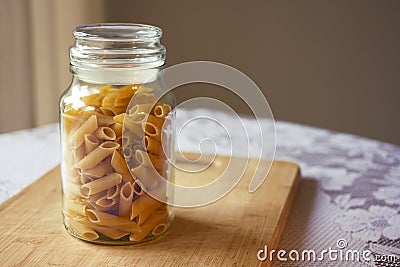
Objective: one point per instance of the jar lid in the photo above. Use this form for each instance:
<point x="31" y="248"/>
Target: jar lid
<point x="109" y="52"/>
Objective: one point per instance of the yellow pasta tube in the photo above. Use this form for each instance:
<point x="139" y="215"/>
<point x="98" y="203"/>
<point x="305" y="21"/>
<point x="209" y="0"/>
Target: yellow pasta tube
<point x="118" y="140"/>
<point x="112" y="111"/>
<point x="117" y="127"/>
<point x="143" y="203"/>
<point x="105" y="133"/>
<point x="160" y="110"/>
<point x="152" y="146"/>
<point x="103" y="120"/>
<point x="147" y="227"/>
<point x="135" y="124"/>
<point x="97" y="155"/>
<point x="140" y="109"/>
<point x="119" y="165"/>
<point x="113" y="192"/>
<point x="72" y="207"/>
<point x="100" y="184"/>
<point x="91" y="142"/>
<point x="82" y="230"/>
<point x="105" y="202"/>
<point x="126" y="91"/>
<point x="105" y="206"/>
<point x="106" y="89"/>
<point x="122" y="102"/>
<point x="71" y="190"/>
<point x="119" y="118"/>
<point x="142" y="217"/>
<point x="99" y="170"/>
<point x="111" y="233"/>
<point x="125" y="200"/>
<point x="144" y="98"/>
<point x="71" y="122"/>
<point x="93" y="100"/>
<point x="137" y="188"/>
<point x="160" y="228"/>
<point x="150" y="160"/>
<point x="158" y="122"/>
<point x="112" y="221"/>
<point x="109" y="100"/>
<point x="79" y="153"/>
<point x="88" y="127"/>
<point x="85" y="179"/>
<point x="153" y="127"/>
<point x="148" y="176"/>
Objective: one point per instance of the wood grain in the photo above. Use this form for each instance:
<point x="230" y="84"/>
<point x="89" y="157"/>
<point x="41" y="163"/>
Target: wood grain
<point x="228" y="232"/>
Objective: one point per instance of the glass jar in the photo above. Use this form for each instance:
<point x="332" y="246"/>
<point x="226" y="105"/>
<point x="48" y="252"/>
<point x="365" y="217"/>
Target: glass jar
<point x="117" y="136"/>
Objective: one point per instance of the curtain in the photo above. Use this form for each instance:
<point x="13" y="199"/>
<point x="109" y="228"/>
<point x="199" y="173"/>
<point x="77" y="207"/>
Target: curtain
<point x="36" y="36"/>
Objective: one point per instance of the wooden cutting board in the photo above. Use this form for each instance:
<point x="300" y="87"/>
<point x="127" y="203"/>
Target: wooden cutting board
<point x="228" y="232"/>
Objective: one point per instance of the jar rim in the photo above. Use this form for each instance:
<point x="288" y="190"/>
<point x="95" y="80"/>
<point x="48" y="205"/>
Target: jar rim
<point x="117" y="32"/>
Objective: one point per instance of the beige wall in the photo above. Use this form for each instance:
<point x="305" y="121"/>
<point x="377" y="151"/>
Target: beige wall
<point x="333" y="64"/>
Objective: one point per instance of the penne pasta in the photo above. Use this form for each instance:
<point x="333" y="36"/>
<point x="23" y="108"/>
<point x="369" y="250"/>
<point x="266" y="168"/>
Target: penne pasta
<point x="100" y="184"/>
<point x="105" y="133"/>
<point x="140" y="109"/>
<point x="112" y="111"/>
<point x="150" y="160"/>
<point x="88" y="127"/>
<point x="160" y="228"/>
<point x="91" y="142"/>
<point x="100" y="170"/>
<point x="119" y="118"/>
<point x="71" y="122"/>
<point x="97" y="155"/>
<point x="109" y="100"/>
<point x="93" y="100"/>
<point x="71" y="190"/>
<point x="122" y="102"/>
<point x="81" y="230"/>
<point x="143" y="203"/>
<point x="85" y="179"/>
<point x="111" y="233"/>
<point x="112" y="221"/>
<point x="152" y="146"/>
<point x="147" y="227"/>
<point x="113" y="192"/>
<point x="153" y="127"/>
<point x="135" y="124"/>
<point x="106" y="88"/>
<point x="119" y="165"/>
<point x="105" y="202"/>
<point x="117" y="128"/>
<point x="125" y="200"/>
<point x="112" y="155"/>
<point x="148" y="176"/>
<point x="79" y="153"/>
<point x="160" y="110"/>
<point x="93" y="198"/>
<point x="74" y="208"/>
<point x="137" y="188"/>
<point x="142" y="217"/>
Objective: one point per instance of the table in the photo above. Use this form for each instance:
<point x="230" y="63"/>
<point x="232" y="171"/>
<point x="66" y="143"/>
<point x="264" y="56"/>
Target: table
<point x="349" y="195"/>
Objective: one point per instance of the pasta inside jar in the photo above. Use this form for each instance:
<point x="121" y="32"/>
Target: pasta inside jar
<point x="115" y="141"/>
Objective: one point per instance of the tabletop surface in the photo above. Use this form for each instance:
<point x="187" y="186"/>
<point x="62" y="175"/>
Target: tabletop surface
<point x="348" y="199"/>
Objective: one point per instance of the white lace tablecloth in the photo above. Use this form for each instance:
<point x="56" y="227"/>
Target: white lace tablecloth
<point x="350" y="187"/>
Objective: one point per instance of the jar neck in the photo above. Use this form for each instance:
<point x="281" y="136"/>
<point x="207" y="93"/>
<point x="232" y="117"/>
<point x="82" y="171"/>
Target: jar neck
<point x="117" y="53"/>
<point x="116" y="76"/>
